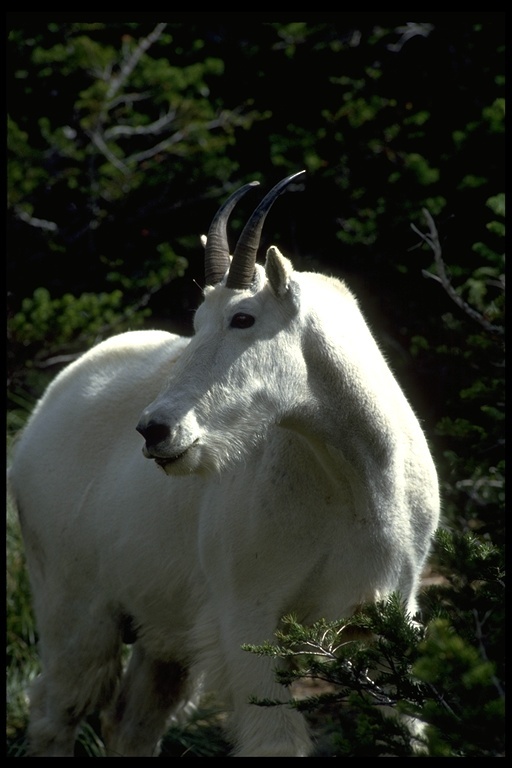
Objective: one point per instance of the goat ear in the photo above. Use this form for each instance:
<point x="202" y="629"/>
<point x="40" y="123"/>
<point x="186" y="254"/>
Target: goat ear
<point x="278" y="270"/>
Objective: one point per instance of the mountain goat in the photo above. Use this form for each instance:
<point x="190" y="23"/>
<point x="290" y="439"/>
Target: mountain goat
<point x="291" y="476"/>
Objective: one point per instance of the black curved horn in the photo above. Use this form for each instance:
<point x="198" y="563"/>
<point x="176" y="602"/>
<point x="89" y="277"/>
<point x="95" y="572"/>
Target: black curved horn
<point x="241" y="272"/>
<point x="216" y="255"/>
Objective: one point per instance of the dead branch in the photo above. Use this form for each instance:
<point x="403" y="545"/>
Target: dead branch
<point x="432" y="240"/>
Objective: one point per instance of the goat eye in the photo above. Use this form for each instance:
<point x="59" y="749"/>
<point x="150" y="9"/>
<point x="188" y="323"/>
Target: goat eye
<point x="241" y="320"/>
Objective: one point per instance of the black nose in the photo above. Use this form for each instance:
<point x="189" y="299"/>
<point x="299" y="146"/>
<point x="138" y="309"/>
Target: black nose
<point x="153" y="432"/>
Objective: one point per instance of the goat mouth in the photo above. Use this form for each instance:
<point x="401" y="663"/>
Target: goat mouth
<point x="169" y="460"/>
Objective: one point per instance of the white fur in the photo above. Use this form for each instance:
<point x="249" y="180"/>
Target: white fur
<point x="305" y="486"/>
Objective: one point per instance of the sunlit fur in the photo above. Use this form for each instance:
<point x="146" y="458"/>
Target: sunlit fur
<point x="303" y="485"/>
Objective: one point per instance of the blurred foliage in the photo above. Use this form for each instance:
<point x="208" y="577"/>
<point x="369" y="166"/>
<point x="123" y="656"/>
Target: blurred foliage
<point x="122" y="140"/>
<point x="21" y="651"/>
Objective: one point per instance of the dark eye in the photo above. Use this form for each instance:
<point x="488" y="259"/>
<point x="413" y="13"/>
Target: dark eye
<point x="241" y="320"/>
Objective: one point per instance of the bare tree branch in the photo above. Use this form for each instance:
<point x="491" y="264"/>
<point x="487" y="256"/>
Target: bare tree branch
<point x="479" y="635"/>
<point x="128" y="98"/>
<point x="98" y="140"/>
<point x="178" y="136"/>
<point x="142" y="130"/>
<point x="100" y="135"/>
<point x="410" y="30"/>
<point x="129" y="63"/>
<point x="50" y="226"/>
<point x="432" y="240"/>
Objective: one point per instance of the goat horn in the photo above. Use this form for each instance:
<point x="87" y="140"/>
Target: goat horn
<point x="216" y="255"/>
<point x="241" y="272"/>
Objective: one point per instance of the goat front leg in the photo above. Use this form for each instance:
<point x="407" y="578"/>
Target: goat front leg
<point x="149" y="693"/>
<point x="256" y="731"/>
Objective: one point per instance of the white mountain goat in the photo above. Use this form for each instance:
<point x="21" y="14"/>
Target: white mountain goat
<point x="291" y="476"/>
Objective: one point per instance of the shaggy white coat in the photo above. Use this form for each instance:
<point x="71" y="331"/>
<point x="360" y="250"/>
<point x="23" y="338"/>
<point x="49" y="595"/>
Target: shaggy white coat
<point x="294" y="478"/>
